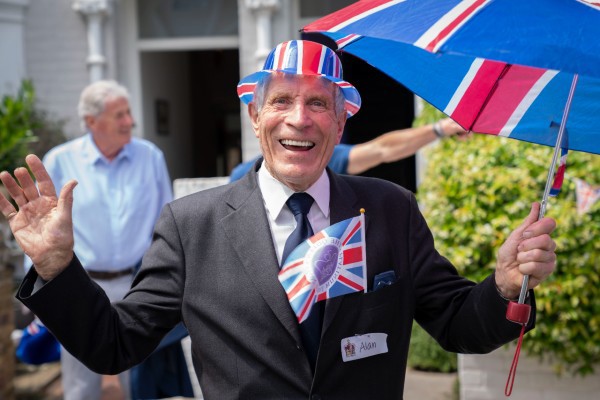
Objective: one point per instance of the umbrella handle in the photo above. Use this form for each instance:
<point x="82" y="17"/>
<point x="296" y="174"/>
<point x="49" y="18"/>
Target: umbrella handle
<point x="523" y="289"/>
<point x="557" y="147"/>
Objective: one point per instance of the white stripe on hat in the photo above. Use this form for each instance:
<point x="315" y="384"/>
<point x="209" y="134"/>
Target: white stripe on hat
<point x="276" y="57"/>
<point x="336" y="68"/>
<point x="300" y="56"/>
<point x="320" y="69"/>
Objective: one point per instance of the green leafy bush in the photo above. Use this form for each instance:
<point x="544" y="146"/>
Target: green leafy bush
<point x="475" y="192"/>
<point x="426" y="354"/>
<point x="24" y="128"/>
<point x="16" y="127"/>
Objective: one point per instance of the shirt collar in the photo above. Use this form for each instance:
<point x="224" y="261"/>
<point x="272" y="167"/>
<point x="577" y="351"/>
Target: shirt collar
<point x="275" y="193"/>
<point x="92" y="154"/>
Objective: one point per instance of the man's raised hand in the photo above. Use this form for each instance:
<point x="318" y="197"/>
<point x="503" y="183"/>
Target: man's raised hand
<point x="42" y="225"/>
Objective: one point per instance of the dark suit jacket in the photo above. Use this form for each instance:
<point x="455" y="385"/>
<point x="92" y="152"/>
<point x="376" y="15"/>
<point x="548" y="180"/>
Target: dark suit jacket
<point x="212" y="264"/>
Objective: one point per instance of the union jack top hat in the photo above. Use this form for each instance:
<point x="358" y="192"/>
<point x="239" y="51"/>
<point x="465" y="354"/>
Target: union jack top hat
<point x="302" y="57"/>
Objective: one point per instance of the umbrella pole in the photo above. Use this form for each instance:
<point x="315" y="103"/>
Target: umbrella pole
<point x="557" y="147"/>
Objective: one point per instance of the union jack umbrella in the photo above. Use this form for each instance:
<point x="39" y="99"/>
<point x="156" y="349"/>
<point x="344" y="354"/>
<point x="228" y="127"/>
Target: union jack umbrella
<point x="528" y="70"/>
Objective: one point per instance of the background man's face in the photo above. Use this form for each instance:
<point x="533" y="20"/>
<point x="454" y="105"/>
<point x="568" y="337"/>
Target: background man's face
<point x="113" y="126"/>
<point x="297" y="128"/>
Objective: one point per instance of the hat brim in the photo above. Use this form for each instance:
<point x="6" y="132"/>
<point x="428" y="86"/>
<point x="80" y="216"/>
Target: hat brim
<point x="247" y="85"/>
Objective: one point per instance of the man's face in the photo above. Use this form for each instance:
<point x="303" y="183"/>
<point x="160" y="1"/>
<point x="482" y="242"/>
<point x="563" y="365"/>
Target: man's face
<point x="297" y="128"/>
<point x="112" y="128"/>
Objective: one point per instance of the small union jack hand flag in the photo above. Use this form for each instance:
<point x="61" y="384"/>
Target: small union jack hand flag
<point x="559" y="177"/>
<point x="329" y="264"/>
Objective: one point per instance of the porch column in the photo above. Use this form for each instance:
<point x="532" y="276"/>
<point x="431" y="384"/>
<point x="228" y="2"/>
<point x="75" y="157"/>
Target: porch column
<point x="94" y="12"/>
<point x="263" y="9"/>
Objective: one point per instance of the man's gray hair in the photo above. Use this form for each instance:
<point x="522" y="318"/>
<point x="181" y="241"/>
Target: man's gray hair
<point x="94" y="97"/>
<point x="263" y="84"/>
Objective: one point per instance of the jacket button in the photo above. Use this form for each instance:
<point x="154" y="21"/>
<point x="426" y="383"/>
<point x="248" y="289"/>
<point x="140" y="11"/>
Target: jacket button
<point x="298" y="347"/>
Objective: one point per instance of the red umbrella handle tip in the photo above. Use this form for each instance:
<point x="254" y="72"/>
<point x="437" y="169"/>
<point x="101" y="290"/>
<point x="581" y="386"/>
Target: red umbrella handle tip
<point x="518" y="313"/>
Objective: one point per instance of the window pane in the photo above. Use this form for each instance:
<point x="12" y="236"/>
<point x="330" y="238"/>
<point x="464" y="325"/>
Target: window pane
<point x="319" y="8"/>
<point x="186" y="18"/>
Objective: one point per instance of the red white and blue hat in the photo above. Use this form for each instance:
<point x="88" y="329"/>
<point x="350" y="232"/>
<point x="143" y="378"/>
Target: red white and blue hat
<point x="302" y="57"/>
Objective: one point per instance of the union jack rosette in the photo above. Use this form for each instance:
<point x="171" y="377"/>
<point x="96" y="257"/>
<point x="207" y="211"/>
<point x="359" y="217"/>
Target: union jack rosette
<point x="329" y="264"/>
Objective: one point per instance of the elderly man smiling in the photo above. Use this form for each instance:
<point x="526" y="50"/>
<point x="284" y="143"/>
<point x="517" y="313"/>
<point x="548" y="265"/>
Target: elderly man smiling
<point x="216" y="254"/>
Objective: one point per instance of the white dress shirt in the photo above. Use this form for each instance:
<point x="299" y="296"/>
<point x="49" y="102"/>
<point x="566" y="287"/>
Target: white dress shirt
<point x="281" y="219"/>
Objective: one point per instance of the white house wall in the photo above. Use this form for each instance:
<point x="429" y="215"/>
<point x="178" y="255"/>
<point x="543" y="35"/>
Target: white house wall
<point x="12" y="58"/>
<point x="55" y="53"/>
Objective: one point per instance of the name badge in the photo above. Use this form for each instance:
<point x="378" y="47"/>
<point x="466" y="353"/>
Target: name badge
<point x="362" y="346"/>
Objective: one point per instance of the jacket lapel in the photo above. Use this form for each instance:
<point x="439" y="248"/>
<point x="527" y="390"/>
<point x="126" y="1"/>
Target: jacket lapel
<point x="244" y="226"/>
<point x="343" y="204"/>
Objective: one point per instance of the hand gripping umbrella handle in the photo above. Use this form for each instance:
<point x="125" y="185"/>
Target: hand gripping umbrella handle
<point x="557" y="146"/>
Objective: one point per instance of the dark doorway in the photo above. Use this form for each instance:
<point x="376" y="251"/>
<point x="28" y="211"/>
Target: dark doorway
<point x="215" y="112"/>
<point x="386" y="106"/>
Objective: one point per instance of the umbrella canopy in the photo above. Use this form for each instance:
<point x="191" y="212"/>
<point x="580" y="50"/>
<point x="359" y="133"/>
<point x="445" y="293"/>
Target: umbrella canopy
<point x="502" y="67"/>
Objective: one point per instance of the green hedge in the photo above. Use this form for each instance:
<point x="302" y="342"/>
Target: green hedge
<point x="16" y="127"/>
<point x="425" y="354"/>
<point x="475" y="192"/>
<point x="25" y="128"/>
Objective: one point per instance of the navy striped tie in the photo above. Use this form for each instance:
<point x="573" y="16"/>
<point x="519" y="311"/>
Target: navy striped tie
<point x="310" y="330"/>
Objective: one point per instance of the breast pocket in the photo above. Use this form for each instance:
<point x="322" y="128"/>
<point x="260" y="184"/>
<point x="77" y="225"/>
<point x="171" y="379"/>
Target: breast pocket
<point x="376" y="311"/>
<point x="383" y="303"/>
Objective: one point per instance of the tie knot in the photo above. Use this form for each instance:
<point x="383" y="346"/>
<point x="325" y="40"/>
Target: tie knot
<point x="299" y="203"/>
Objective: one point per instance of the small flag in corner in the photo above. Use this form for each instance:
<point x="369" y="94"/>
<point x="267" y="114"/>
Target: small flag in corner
<point x="329" y="264"/>
<point x="586" y="195"/>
